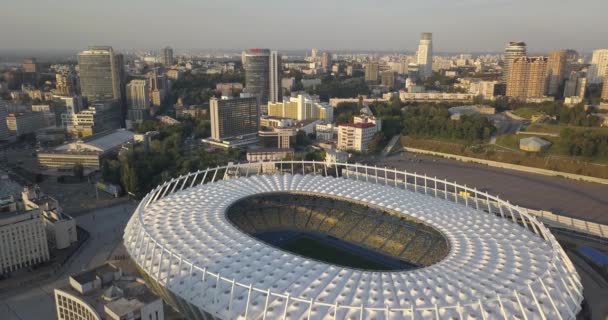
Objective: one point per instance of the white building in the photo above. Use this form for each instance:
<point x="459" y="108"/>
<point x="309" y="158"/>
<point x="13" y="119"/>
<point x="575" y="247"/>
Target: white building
<point x="335" y="156"/>
<point x="275" y="77"/>
<point x="326" y="131"/>
<point x="483" y="89"/>
<point x="425" y="55"/>
<point x="107" y="293"/>
<point x="138" y="100"/>
<point x="355" y="136"/>
<point x="598" y="67"/>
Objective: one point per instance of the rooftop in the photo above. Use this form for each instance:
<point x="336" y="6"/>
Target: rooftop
<point x="358" y="125"/>
<point x="103" y="142"/>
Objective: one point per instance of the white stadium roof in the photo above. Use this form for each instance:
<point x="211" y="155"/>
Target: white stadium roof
<point x="186" y="243"/>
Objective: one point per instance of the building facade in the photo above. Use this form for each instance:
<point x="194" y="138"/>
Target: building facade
<point x="263" y="72"/>
<point x="166" y="56"/>
<point x="372" y="70"/>
<point x="527" y="78"/>
<point x="232" y="118"/>
<point x="514" y="50"/>
<point x="302" y="107"/>
<point x="275" y="75"/>
<point x="5" y="133"/>
<point x="556" y="71"/>
<point x="604" y="88"/>
<point x="598" y="67"/>
<point x="424" y="56"/>
<point x="389" y="79"/>
<point x="355" y="136"/>
<point x="138" y="100"/>
<point x="99" y="74"/>
<point x="26" y="122"/>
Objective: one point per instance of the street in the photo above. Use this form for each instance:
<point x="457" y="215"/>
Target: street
<point x="106" y="228"/>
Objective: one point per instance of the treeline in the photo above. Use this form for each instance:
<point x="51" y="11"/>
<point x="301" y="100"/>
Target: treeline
<point x="332" y="87"/>
<point x="586" y="143"/>
<point x="434" y="122"/>
<point x="139" y="170"/>
<point x="199" y="88"/>
<point x="577" y="115"/>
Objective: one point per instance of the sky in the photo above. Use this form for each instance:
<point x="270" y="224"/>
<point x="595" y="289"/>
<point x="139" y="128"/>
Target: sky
<point x="382" y="25"/>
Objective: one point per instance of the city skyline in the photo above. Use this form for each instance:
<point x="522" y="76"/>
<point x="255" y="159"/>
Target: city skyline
<point x="469" y="26"/>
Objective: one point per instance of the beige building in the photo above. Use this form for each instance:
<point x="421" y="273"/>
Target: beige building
<point x="372" y="70"/>
<point x="96" y="119"/>
<point x="389" y="79"/>
<point x="605" y="87"/>
<point x="109" y="292"/>
<point x="269" y="154"/>
<point x="527" y="78"/>
<point x="534" y="144"/>
<point x="302" y="107"/>
<point x="355" y="136"/>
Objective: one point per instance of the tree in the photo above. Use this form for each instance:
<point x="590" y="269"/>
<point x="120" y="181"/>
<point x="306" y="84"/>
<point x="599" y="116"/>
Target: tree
<point x="302" y="139"/>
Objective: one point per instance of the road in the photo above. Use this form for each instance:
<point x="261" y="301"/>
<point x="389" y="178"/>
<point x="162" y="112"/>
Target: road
<point x="588" y="201"/>
<point x="106" y="227"/>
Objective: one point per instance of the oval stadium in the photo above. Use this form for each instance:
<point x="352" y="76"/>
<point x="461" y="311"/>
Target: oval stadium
<point x="310" y="240"/>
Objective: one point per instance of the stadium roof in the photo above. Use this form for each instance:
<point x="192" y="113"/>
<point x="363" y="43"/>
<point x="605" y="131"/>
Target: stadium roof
<point x="490" y="257"/>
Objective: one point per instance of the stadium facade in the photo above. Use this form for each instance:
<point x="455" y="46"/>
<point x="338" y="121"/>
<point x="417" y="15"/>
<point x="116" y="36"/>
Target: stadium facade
<point x="202" y="242"/>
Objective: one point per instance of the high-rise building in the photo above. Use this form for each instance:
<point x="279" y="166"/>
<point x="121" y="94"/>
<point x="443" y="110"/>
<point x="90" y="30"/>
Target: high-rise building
<point x="326" y="61"/>
<point x="556" y="69"/>
<point x="314" y="52"/>
<point x="527" y="77"/>
<point x="233" y="118"/>
<point x="371" y="72"/>
<point x="166" y="56"/>
<point x="598" y="67"/>
<point x="424" y="56"/>
<point x="389" y="79"/>
<point x="514" y="49"/>
<point x="263" y="72"/>
<point x="138" y="100"/>
<point x="575" y="85"/>
<point x="275" y="75"/>
<point x="99" y="74"/>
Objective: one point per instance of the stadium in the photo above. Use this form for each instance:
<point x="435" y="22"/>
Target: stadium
<point x="315" y="240"/>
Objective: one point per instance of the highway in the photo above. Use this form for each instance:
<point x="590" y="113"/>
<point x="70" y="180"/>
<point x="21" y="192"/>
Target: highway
<point x="583" y="200"/>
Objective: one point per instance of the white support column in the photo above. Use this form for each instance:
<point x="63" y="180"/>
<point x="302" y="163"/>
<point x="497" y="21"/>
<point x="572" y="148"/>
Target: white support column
<point x="286" y="303"/>
<point x="425" y="184"/>
<point x="310" y="309"/>
<point x="521" y="306"/>
<point x="248" y="301"/>
<point x="476" y="203"/>
<point x="385" y="177"/>
<point x="175" y="185"/>
<point x="435" y="182"/>
<point x="204" y="177"/>
<point x="169" y="268"/>
<point x="376" y="173"/>
<point x="502" y="307"/>
<point x="482" y="311"/>
<point x="303" y="172"/>
<point x="557" y="312"/>
<point x="445" y="188"/>
<point x="266" y="303"/>
<point x="415" y="182"/>
<point x="366" y="175"/>
<point x="540" y="309"/>
<point x="217" y="288"/>
<point x="231" y="297"/>
<point x="160" y="263"/>
<point x="215" y="174"/>
<point x="336" y="311"/>
<point x="184" y="183"/>
<point x="168" y="185"/>
<point x="195" y="176"/>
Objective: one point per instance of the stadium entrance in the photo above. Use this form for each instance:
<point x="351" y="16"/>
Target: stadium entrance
<point x="338" y="231"/>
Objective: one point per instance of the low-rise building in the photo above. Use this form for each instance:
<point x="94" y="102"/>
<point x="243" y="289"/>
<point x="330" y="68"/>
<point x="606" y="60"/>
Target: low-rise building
<point x="25" y="123"/>
<point x="326" y="131"/>
<point x="89" y="152"/>
<point x="534" y="144"/>
<point x="333" y="156"/>
<point x="270" y="154"/>
<point x="108" y="292"/>
<point x="435" y="96"/>
<point x="355" y="136"/>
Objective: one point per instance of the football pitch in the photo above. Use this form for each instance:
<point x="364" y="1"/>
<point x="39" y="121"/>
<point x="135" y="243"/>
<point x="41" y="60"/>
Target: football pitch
<point x="326" y="252"/>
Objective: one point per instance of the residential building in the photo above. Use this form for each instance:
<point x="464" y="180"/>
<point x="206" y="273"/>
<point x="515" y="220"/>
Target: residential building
<point x="326" y="131"/>
<point x="371" y="72"/>
<point x="333" y="156"/>
<point x="326" y="60"/>
<point x="435" y="96"/>
<point x="269" y="154"/>
<point x="368" y="118"/>
<point x="166" y="56"/>
<point x="389" y="79"/>
<point x="598" y="67"/>
<point x="527" y="77"/>
<point x="88" y="152"/>
<point x="25" y="122"/>
<point x="355" y="136"/>
<point x="99" y="74"/>
<point x="50" y="118"/>
<point x="487" y="90"/>
<point x="575" y="85"/>
<point x="159" y="88"/>
<point x="424" y="56"/>
<point x="112" y="291"/>
<point x="23" y="240"/>
<point x="30" y="65"/>
<point x="302" y="107"/>
<point x="514" y="50"/>
<point x="556" y="71"/>
<point x="138" y="100"/>
<point x="234" y="118"/>
<point x="175" y="74"/>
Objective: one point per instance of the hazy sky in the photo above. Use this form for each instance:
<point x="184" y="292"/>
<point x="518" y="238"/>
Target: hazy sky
<point x="457" y="25"/>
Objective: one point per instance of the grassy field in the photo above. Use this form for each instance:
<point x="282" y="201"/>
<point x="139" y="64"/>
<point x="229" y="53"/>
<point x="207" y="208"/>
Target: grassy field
<point x="557" y="128"/>
<point x="525" y="112"/>
<point x="507" y="150"/>
<point x="319" y="250"/>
